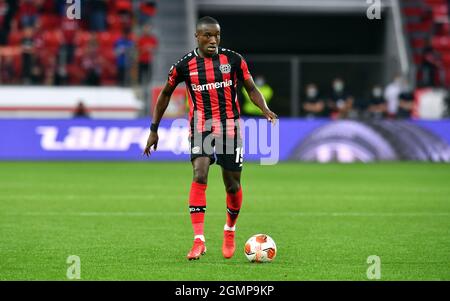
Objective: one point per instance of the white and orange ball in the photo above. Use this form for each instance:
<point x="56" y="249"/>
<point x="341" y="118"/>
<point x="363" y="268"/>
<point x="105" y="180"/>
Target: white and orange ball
<point x="260" y="248"/>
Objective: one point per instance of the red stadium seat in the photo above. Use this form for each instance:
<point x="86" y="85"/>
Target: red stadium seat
<point x="108" y="54"/>
<point x="115" y="36"/>
<point x="15" y="38"/>
<point x="124" y="5"/>
<point x="446" y="59"/>
<point x="446" y="28"/>
<point x="52" y="41"/>
<point x="440" y="13"/>
<point x="447" y="77"/>
<point x="109" y="68"/>
<point x="75" y="74"/>
<point x="109" y="75"/>
<point x="418" y="59"/>
<point x="418" y="43"/>
<point x="49" y="22"/>
<point x="435" y="2"/>
<point x="18" y="64"/>
<point x="421" y="27"/>
<point x="53" y="38"/>
<point x="83" y="37"/>
<point x="79" y="52"/>
<point x="108" y="82"/>
<point x="105" y="38"/>
<point x="441" y="43"/>
<point x="114" y="23"/>
<point x="413" y="11"/>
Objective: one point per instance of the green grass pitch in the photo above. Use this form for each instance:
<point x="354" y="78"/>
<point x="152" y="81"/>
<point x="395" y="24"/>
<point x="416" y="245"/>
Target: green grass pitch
<point x="130" y="221"/>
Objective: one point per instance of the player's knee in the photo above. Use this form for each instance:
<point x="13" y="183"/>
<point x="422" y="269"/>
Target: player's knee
<point x="200" y="177"/>
<point x="233" y="187"/>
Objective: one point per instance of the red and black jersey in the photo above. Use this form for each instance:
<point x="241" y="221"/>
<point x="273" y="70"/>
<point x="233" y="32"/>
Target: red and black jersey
<point x="211" y="84"/>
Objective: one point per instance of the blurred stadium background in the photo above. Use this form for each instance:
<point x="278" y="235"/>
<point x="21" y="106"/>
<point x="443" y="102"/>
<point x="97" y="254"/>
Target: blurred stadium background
<point x="352" y="81"/>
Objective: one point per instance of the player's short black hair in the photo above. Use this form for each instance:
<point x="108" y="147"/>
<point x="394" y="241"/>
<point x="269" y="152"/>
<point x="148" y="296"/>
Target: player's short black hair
<point x="206" y="20"/>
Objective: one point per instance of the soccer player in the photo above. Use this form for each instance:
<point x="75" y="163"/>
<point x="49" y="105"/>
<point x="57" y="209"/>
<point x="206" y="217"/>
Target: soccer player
<point x="210" y="74"/>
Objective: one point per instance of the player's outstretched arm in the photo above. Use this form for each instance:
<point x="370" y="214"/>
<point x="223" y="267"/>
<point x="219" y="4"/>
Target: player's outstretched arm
<point x="161" y="106"/>
<point x="258" y="99"/>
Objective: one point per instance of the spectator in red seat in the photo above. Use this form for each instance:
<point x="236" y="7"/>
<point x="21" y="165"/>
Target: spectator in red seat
<point x="49" y="70"/>
<point x="7" y="70"/>
<point x="69" y="29"/>
<point x="4" y="9"/>
<point x="124" y="11"/>
<point x="28" y="13"/>
<point x="124" y="50"/>
<point x="147" y="10"/>
<point x="91" y="64"/>
<point x="28" y="53"/>
<point x="431" y="67"/>
<point x="147" y="44"/>
<point x="60" y="78"/>
<point x="37" y="73"/>
<point x="47" y="6"/>
<point x="39" y="43"/>
<point x="97" y="15"/>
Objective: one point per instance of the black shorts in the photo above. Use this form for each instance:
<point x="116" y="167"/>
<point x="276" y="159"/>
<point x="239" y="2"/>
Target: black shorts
<point x="225" y="145"/>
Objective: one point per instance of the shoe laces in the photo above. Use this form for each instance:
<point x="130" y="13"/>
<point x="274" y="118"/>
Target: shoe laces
<point x="229" y="235"/>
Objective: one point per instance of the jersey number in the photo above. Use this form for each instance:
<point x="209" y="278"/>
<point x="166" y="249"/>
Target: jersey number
<point x="239" y="155"/>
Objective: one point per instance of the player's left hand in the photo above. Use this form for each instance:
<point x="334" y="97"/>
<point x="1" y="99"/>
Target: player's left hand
<point x="271" y="116"/>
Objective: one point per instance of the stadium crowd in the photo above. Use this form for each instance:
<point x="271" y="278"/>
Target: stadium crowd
<point x="427" y="24"/>
<point x="393" y="101"/>
<point x="40" y="45"/>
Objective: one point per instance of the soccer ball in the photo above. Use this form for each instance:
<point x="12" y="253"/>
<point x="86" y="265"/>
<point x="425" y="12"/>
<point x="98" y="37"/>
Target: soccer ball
<point x="260" y="248"/>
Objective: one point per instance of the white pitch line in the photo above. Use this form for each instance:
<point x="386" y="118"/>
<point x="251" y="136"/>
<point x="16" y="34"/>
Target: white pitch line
<point x="299" y="214"/>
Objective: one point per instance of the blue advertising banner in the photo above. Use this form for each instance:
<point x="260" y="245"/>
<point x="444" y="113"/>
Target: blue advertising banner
<point x="291" y="139"/>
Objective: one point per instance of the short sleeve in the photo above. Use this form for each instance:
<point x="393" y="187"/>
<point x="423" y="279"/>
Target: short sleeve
<point x="243" y="72"/>
<point x="175" y="77"/>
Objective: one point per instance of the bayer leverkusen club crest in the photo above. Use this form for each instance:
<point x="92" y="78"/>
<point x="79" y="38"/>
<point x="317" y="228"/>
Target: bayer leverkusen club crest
<point x="225" y="68"/>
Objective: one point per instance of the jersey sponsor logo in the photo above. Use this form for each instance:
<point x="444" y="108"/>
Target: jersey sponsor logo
<point x="193" y="73"/>
<point x="225" y="69"/>
<point x="210" y="86"/>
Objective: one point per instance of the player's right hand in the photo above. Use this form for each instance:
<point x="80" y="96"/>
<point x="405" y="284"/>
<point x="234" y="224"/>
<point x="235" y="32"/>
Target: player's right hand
<point x="271" y="116"/>
<point x="151" y="141"/>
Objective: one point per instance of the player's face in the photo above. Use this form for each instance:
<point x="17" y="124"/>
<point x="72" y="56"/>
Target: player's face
<point x="208" y="38"/>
